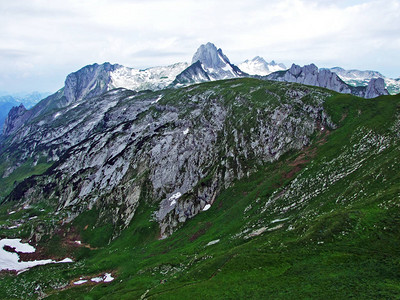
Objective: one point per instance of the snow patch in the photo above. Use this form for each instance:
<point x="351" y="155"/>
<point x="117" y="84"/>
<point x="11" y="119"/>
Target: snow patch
<point x="206" y="207"/>
<point x="156" y="101"/>
<point x="14" y="226"/>
<point x="174" y="197"/>
<point x="97" y="279"/>
<point x="108" y="277"/>
<point x="78" y="242"/>
<point x="11" y="261"/>
<point x="213" y="242"/>
<point x="278" y="220"/>
<point x="186" y="131"/>
<point x="65" y="260"/>
<point x="12" y="212"/>
<point x="79" y="282"/>
<point x="57" y="115"/>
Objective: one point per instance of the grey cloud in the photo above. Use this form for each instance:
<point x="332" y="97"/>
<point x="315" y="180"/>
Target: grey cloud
<point x="14" y="53"/>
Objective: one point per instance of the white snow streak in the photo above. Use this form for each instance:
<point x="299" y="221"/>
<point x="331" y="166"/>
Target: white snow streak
<point x="206" y="207"/>
<point x="212" y="242"/>
<point x="108" y="277"/>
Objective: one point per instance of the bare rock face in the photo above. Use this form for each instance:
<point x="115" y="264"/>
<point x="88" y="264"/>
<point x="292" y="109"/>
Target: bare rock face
<point x="89" y="81"/>
<point x="375" y="88"/>
<point x="310" y="75"/>
<point x="14" y="119"/>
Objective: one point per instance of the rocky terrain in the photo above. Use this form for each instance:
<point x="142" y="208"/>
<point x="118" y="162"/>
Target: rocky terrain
<point x="182" y="142"/>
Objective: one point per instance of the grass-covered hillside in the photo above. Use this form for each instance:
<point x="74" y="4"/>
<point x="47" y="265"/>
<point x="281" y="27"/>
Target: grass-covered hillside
<point x="322" y="222"/>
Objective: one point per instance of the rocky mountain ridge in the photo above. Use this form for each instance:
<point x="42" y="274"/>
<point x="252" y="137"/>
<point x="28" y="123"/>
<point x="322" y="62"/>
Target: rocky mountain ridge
<point x="208" y="64"/>
<point x="311" y="75"/>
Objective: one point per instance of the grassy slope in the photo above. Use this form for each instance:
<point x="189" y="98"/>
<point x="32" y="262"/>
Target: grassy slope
<point x="342" y="242"/>
<point x="24" y="171"/>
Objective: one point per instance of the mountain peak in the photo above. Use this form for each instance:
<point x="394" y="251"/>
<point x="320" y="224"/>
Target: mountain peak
<point x="259" y="59"/>
<point x="210" y="56"/>
<point x="213" y="62"/>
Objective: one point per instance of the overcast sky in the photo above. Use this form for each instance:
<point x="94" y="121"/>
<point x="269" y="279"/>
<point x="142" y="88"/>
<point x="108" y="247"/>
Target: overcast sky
<point x="42" y="41"/>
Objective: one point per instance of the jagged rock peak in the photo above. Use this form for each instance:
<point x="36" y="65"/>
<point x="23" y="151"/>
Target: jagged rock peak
<point x="212" y="62"/>
<point x="296" y="70"/>
<point x="14" y="119"/>
<point x="210" y="56"/>
<point x="375" y="88"/>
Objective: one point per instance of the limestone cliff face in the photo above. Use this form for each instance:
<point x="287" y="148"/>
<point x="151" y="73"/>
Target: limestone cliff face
<point x="89" y="81"/>
<point x="176" y="148"/>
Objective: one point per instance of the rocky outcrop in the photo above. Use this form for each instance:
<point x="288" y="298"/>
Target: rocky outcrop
<point x="311" y="75"/>
<point x="375" y="88"/>
<point x="14" y="119"/>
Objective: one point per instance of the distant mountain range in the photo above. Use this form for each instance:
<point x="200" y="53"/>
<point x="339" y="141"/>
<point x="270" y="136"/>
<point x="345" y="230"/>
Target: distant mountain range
<point x="208" y="64"/>
<point x="362" y="78"/>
